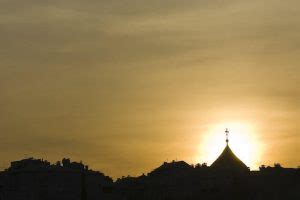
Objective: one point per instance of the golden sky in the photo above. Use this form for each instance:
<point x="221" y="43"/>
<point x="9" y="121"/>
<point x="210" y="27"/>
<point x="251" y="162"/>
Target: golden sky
<point x="127" y="84"/>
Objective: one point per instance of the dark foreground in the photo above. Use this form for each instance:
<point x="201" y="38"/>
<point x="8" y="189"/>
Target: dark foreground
<point x="32" y="179"/>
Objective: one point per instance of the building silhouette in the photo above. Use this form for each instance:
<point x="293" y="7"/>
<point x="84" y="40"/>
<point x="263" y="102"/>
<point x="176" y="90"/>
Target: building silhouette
<point x="227" y="178"/>
<point x="37" y="179"/>
<point x="228" y="160"/>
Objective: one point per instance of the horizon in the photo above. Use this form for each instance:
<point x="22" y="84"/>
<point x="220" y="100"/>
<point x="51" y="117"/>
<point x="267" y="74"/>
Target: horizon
<point x="163" y="162"/>
<point x="144" y="173"/>
<point x="126" y="85"/>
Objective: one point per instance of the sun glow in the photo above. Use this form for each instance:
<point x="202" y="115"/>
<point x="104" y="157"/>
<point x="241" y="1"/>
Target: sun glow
<point x="242" y="141"/>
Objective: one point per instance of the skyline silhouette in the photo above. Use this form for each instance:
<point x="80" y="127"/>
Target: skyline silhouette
<point x="226" y="160"/>
<point x="225" y="154"/>
<point x="227" y="177"/>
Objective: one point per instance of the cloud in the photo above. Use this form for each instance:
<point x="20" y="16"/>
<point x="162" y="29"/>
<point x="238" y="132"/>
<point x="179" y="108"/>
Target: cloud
<point x="99" y="74"/>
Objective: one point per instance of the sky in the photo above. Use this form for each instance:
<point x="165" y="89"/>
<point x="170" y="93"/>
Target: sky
<point x="126" y="85"/>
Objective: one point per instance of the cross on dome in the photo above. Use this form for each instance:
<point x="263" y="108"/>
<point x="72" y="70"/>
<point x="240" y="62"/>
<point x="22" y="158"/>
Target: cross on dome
<point x="227" y="132"/>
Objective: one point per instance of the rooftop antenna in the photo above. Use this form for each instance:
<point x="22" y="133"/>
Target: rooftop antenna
<point x="227" y="132"/>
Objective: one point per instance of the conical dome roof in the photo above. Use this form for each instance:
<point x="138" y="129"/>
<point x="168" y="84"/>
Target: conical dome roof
<point x="228" y="161"/>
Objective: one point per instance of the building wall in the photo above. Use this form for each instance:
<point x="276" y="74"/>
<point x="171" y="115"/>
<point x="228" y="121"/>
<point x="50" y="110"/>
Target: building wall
<point x="31" y="185"/>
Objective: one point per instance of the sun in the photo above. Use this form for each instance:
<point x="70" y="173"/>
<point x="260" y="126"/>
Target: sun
<point x="242" y="141"/>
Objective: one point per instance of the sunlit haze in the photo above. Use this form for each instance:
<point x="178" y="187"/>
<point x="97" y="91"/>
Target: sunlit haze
<point x="242" y="140"/>
<point x="124" y="85"/>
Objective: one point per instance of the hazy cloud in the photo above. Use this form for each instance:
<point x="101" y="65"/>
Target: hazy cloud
<point x="119" y="80"/>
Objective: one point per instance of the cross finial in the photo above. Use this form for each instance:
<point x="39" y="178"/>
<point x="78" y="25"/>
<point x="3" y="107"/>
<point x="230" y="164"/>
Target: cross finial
<point x="227" y="131"/>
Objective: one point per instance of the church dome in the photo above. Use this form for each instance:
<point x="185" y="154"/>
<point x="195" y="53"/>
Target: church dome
<point x="228" y="160"/>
